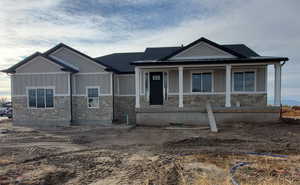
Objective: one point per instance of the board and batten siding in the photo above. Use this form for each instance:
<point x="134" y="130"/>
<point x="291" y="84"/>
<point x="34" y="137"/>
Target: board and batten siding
<point x="21" y="81"/>
<point x="82" y="81"/>
<point x="39" y="65"/>
<point x="84" y="64"/>
<point x="202" y="50"/>
<point x="126" y="84"/>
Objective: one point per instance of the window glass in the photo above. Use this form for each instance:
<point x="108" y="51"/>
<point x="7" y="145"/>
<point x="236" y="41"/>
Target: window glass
<point x="93" y="92"/>
<point x="93" y="97"/>
<point x="40" y="98"/>
<point x="49" y="98"/>
<point x="32" y="97"/>
<point x="196" y="82"/>
<point x="238" y="81"/>
<point x="206" y="82"/>
<point x="249" y="81"/>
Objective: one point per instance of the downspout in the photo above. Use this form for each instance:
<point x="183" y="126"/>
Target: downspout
<point x="71" y="97"/>
<point x="280" y="115"/>
<point x="113" y="95"/>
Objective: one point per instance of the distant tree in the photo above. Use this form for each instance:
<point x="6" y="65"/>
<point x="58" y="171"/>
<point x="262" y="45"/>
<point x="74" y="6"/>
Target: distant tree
<point x="3" y="100"/>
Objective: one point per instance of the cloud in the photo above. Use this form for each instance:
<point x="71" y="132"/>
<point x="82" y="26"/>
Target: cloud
<point x="99" y="27"/>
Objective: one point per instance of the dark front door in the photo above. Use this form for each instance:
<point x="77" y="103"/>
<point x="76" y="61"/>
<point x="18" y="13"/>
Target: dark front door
<point x="156" y="88"/>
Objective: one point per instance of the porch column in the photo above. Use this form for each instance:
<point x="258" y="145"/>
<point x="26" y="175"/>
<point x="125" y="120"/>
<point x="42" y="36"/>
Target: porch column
<point x="228" y="86"/>
<point x="137" y="87"/>
<point x="277" y="85"/>
<point x="180" y="74"/>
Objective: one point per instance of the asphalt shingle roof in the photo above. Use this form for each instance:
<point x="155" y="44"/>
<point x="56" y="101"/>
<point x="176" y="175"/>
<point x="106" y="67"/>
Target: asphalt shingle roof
<point x="121" y="62"/>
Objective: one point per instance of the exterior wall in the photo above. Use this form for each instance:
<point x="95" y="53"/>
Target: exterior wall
<point x="82" y="81"/>
<point x="202" y="50"/>
<point x="84" y="115"/>
<point x="219" y="82"/>
<point x="59" y="81"/>
<point x="83" y="63"/>
<point x="125" y="106"/>
<point x="38" y="65"/>
<point x="126" y="84"/>
<point x="216" y="100"/>
<point x="57" y="116"/>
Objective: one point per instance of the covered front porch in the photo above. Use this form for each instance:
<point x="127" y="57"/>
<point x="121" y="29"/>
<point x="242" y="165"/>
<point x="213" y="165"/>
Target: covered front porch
<point x="237" y="92"/>
<point x="230" y="85"/>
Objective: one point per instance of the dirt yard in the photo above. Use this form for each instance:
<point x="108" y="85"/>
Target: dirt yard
<point x="149" y="156"/>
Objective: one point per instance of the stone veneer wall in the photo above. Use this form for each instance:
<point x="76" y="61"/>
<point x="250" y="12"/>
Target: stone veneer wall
<point x="249" y="99"/>
<point x="58" y="116"/>
<point x="84" y="115"/>
<point x="217" y="100"/>
<point x="125" y="105"/>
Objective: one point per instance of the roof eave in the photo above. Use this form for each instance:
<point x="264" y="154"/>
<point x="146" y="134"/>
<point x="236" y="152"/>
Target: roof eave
<point x="248" y="60"/>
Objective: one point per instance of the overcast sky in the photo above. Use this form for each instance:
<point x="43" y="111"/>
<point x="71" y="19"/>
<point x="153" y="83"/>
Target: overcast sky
<point x="99" y="27"/>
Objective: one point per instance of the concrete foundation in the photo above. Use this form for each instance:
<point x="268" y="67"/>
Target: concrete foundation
<point x="199" y="116"/>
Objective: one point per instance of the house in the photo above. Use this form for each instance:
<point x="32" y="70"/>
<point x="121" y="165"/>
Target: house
<point x="158" y="86"/>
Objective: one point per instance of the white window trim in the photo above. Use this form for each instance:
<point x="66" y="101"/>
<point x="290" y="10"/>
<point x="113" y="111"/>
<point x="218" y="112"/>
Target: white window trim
<point x="40" y="87"/>
<point x="87" y="97"/>
<point x="202" y="71"/>
<point x="243" y="70"/>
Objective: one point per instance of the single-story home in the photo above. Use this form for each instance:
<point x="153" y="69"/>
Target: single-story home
<point x="161" y="85"/>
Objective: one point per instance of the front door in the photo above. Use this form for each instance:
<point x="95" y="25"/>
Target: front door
<point x="156" y="88"/>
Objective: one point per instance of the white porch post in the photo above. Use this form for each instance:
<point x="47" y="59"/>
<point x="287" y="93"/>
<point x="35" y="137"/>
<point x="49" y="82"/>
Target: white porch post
<point x="137" y="87"/>
<point x="180" y="73"/>
<point x="228" y="86"/>
<point x="277" y="85"/>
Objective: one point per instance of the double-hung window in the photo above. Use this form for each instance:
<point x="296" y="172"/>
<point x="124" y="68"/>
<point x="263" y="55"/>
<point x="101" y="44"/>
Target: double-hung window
<point x="244" y="81"/>
<point x="41" y="98"/>
<point x="93" y="97"/>
<point x="202" y="82"/>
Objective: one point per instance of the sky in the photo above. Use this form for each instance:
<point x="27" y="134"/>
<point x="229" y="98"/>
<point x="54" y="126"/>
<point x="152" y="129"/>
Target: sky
<point x="100" y="27"/>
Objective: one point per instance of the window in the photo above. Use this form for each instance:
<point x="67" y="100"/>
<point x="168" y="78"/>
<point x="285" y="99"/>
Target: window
<point x="244" y="81"/>
<point x="93" y="97"/>
<point x="40" y="98"/>
<point x="202" y="82"/>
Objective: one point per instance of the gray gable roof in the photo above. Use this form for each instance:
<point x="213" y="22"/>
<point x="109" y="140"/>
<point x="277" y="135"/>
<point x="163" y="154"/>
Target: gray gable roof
<point x="121" y="62"/>
<point x="65" y="66"/>
<point x="156" y="53"/>
<point x="242" y="49"/>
